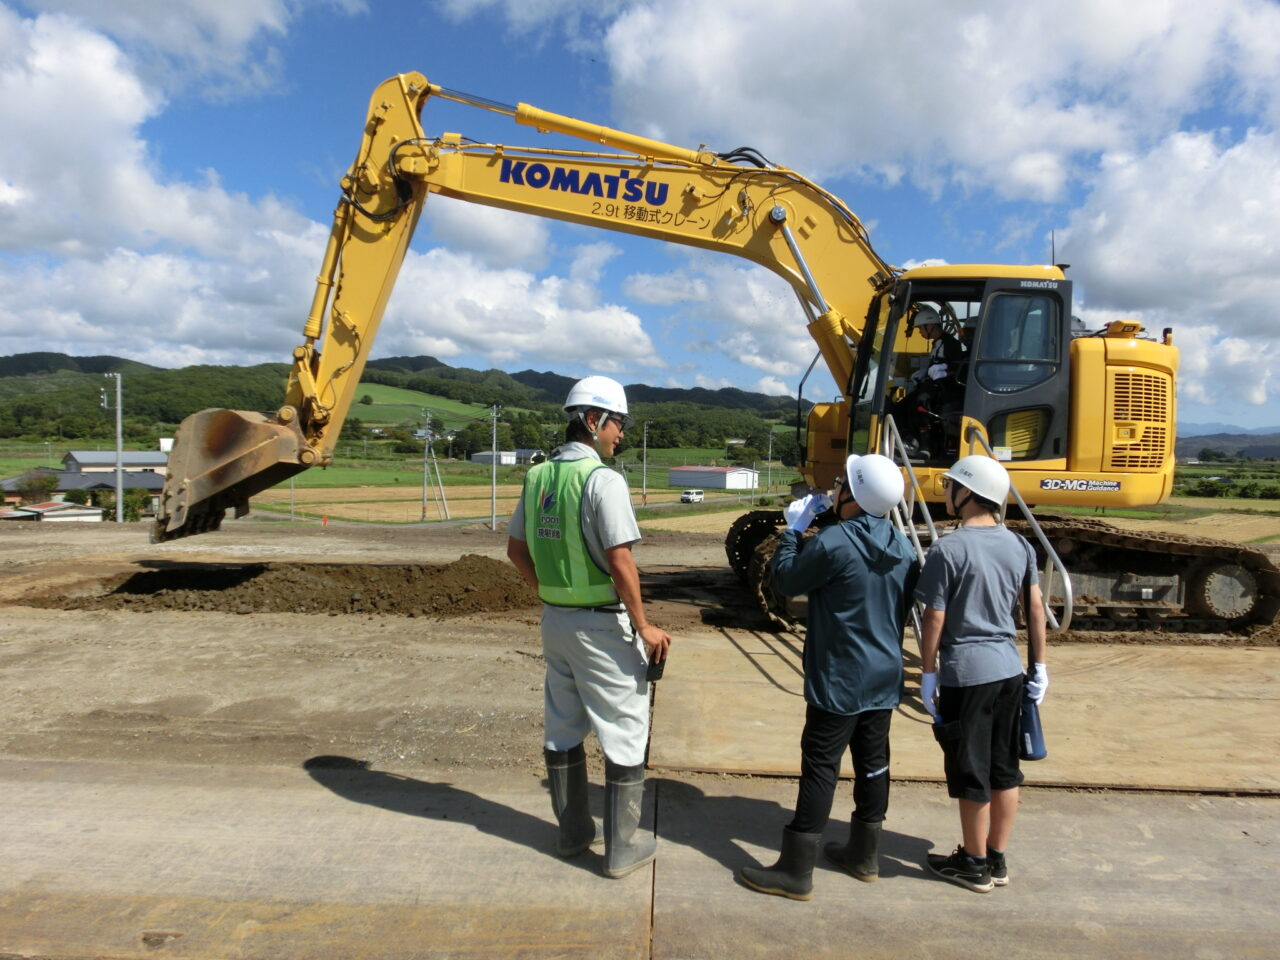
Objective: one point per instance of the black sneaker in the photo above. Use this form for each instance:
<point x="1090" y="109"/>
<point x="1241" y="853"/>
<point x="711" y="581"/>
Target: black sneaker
<point x="999" y="869"/>
<point x="962" y="869"/>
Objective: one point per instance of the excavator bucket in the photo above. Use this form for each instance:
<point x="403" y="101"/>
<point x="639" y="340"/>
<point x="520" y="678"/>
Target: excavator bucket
<point x="220" y="459"/>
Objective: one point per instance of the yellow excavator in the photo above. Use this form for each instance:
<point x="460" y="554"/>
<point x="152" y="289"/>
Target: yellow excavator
<point x="1078" y="417"/>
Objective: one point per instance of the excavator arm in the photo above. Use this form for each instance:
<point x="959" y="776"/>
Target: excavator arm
<point x="736" y="203"/>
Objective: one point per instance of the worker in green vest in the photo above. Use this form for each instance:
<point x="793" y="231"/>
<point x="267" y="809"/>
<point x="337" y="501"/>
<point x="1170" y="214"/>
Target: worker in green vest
<point x="570" y="537"/>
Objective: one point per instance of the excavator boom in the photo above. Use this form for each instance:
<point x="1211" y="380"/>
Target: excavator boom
<point x="736" y="203"/>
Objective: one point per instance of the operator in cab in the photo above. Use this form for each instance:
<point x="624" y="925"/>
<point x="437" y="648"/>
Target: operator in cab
<point x="931" y="389"/>
<point x="570" y="537"/>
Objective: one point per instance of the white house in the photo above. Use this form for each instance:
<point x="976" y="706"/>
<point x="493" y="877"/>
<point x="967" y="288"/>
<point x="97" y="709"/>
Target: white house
<point x="714" y="478"/>
<point x="54" y="511"/>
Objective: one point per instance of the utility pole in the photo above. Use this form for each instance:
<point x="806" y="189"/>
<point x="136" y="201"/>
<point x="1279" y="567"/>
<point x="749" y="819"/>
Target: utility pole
<point x="444" y="501"/>
<point x="644" y="468"/>
<point x="493" y="473"/>
<point x="426" y="447"/>
<point x="119" y="445"/>
<point x="428" y="459"/>
<point x="769" y="483"/>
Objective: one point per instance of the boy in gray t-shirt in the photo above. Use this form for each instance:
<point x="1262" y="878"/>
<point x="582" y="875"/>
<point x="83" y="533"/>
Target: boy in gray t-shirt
<point x="971" y="581"/>
<point x="970" y="575"/>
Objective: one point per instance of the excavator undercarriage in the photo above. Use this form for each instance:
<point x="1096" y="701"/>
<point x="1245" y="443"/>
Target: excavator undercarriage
<point x="1123" y="580"/>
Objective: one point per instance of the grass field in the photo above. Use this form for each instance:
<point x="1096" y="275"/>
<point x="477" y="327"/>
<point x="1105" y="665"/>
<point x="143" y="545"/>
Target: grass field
<point x="396" y="479"/>
<point x="393" y="405"/>
<point x="405" y="505"/>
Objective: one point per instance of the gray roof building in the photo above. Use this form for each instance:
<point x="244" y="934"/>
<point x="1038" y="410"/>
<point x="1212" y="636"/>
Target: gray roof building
<point x="132" y="460"/>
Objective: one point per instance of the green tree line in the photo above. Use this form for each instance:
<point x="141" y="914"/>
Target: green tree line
<point x="48" y="396"/>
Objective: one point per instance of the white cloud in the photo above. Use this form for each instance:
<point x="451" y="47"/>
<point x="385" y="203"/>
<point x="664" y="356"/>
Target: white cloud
<point x="773" y="387"/>
<point x="89" y="193"/>
<point x="1002" y="96"/>
<point x="1187" y="229"/>
<point x="454" y="305"/>
<point x="495" y="237"/>
<point x="1183" y="236"/>
<point x="711" y="383"/>
<point x="740" y="319"/>
<point x="223" y="46"/>
<point x="108" y="255"/>
<point x="525" y="16"/>
<point x="1220" y="370"/>
<point x="162" y="308"/>
<point x="996" y="100"/>
<point x="666" y="289"/>
<point x="104" y="253"/>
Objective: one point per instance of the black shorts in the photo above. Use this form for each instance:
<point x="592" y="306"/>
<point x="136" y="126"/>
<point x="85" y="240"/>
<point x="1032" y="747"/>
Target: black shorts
<point x="979" y="737"/>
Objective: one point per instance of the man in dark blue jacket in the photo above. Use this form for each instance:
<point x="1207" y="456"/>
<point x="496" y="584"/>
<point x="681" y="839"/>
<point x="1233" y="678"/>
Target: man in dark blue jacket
<point x="859" y="575"/>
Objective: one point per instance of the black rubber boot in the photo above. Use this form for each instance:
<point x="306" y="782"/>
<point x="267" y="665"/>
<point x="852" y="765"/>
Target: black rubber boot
<point x="567" y="774"/>
<point x="624" y="851"/>
<point x="860" y="856"/>
<point x="792" y="875"/>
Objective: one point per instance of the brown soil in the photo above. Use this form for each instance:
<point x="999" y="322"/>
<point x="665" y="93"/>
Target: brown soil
<point x="470" y="585"/>
<point x="273" y="643"/>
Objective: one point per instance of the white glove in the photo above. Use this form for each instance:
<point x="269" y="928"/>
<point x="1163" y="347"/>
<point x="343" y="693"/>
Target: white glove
<point x="1037" y="682"/>
<point x="800" y="513"/>
<point x="929" y="693"/>
<point x="937" y="371"/>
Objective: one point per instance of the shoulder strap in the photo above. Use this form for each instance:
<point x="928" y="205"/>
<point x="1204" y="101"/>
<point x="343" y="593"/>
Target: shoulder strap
<point x="1026" y="599"/>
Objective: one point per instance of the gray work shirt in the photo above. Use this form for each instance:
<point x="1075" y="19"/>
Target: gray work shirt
<point x="607" y="518"/>
<point x="975" y="574"/>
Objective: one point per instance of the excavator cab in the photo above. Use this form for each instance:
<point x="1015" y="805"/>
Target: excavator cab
<point x="998" y="361"/>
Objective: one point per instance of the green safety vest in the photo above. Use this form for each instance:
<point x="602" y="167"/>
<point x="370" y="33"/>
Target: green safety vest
<point x="567" y="574"/>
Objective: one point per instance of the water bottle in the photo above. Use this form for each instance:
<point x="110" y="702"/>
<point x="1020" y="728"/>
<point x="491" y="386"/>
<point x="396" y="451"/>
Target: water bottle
<point x="1030" y="733"/>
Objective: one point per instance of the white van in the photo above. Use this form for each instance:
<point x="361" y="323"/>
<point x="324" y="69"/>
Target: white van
<point x="691" y="496"/>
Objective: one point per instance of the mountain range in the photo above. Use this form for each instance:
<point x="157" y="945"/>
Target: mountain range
<point x="43" y="393"/>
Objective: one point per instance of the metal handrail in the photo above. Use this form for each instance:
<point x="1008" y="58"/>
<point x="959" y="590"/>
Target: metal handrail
<point x="1052" y="560"/>
<point x="904" y="512"/>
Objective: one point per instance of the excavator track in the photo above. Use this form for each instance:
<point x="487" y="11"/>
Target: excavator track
<point x="1221" y="588"/>
<point x="747" y="533"/>
<point x="1225" y="587"/>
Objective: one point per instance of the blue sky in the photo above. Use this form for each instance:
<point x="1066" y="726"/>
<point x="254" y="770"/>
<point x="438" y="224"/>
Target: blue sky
<point x="168" y="171"/>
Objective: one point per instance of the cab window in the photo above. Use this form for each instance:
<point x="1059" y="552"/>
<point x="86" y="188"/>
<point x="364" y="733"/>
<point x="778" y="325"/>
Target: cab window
<point x="1019" y="346"/>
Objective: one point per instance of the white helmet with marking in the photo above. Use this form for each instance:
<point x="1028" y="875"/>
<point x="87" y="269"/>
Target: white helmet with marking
<point x="987" y="478"/>
<point x="875" y="482"/>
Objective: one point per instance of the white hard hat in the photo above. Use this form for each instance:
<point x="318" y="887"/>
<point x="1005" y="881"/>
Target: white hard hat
<point x="597" y="393"/>
<point x="987" y="478"/>
<point x="925" y="316"/>
<point x="876" y="483"/>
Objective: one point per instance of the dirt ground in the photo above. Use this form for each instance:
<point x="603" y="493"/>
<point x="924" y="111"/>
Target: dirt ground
<point x="270" y="643"/>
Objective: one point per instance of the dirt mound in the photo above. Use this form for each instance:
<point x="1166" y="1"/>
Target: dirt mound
<point x="471" y="584"/>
